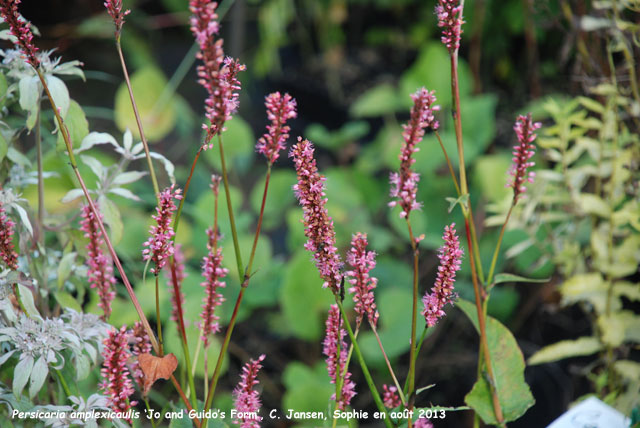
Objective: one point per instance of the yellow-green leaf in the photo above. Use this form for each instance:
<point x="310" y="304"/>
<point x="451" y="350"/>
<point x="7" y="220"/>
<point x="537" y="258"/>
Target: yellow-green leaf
<point x="566" y="349"/>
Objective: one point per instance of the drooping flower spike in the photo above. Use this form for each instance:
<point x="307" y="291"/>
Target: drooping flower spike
<point x="7" y="251"/>
<point x="335" y="366"/>
<point x="450" y="255"/>
<point x="404" y="184"/>
<point x="362" y="262"/>
<point x="20" y="29"/>
<point x="100" y="271"/>
<point x="116" y="382"/>
<point x="141" y="345"/>
<point x="318" y="226"/>
<point x="114" y="7"/>
<point x="525" y="130"/>
<point x="216" y="74"/>
<point x="246" y="400"/>
<point x="449" y="14"/>
<point x="160" y="245"/>
<point x="280" y="108"/>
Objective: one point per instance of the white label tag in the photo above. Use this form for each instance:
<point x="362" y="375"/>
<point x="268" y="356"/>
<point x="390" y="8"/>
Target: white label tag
<point x="591" y="413"/>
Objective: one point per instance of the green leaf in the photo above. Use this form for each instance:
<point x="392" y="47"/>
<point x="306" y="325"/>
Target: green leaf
<point x="377" y="101"/>
<point x="589" y="287"/>
<point x="490" y="175"/>
<point x="4" y="147"/>
<point x="30" y="89"/>
<point x="27" y="301"/>
<point x="147" y="84"/>
<point x="509" y="277"/>
<point x="112" y="217"/>
<point x="307" y="388"/>
<point x="592" y="204"/>
<point x="304" y="301"/>
<point x="566" y="349"/>
<point x="60" y="94"/>
<point x="64" y="268"/>
<point x="38" y="375"/>
<point x="514" y="394"/>
<point x="619" y="327"/>
<point x="77" y="125"/>
<point x="462" y="200"/>
<point x="66" y="300"/>
<point x="21" y="374"/>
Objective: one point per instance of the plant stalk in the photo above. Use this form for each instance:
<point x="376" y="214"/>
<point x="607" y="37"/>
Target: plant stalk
<point x="414" y="313"/>
<point x="40" y="177"/>
<point x="498" y="244"/>
<point x="386" y="359"/>
<point x="232" y="221"/>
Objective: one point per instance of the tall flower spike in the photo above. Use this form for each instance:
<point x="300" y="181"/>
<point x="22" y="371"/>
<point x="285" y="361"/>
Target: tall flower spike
<point x="246" y="400"/>
<point x="20" y="29"/>
<point x="7" y="253"/>
<point x="160" y="245"/>
<point x="362" y="262"/>
<point x="318" y="226"/>
<point x="280" y="108"/>
<point x="525" y="130"/>
<point x="141" y="345"/>
<point x="335" y="366"/>
<point x="390" y="397"/>
<point x="115" y="374"/>
<point x="114" y="7"/>
<point x="213" y="273"/>
<point x="449" y="14"/>
<point x="100" y="271"/>
<point x="178" y="259"/>
<point x="442" y="292"/>
<point x="404" y="184"/>
<point x="216" y="74"/>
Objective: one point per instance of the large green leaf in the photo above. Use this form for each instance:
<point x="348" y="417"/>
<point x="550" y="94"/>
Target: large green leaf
<point x="147" y="85"/>
<point x="308" y="388"/>
<point x="77" y="126"/>
<point x="566" y="349"/>
<point x="508" y="367"/>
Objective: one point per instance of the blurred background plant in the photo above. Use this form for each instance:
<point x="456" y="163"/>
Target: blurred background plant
<point x="351" y="64"/>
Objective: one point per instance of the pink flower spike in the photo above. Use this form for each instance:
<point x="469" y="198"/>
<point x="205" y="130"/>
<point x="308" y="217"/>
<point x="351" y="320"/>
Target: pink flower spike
<point x="280" y="108"/>
<point x="362" y="262"/>
<point x="246" y="400"/>
<point x="178" y="258"/>
<point x="335" y="365"/>
<point x="100" y="271"/>
<point x="114" y="7"/>
<point x="213" y="273"/>
<point x="442" y="292"/>
<point x="390" y="397"/>
<point x="115" y="374"/>
<point x="7" y="252"/>
<point x="318" y="226"/>
<point x="141" y="345"/>
<point x="525" y="130"/>
<point x="423" y="423"/>
<point x="404" y="184"/>
<point x="20" y="29"/>
<point x="449" y="14"/>
<point x="160" y="244"/>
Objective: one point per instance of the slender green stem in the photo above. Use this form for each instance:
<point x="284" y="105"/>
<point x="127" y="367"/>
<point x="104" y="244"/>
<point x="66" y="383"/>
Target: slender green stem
<point x="112" y="252"/>
<point x="40" y="177"/>
<point x="386" y="359"/>
<point x="63" y="382"/>
<point x="152" y="171"/>
<point x="176" y="218"/>
<point x="424" y="334"/>
<point x="449" y="164"/>
<point x="247" y="272"/>
<point x="498" y="244"/>
<point x="363" y="366"/>
<point x="16" y="292"/>
<point x="146" y="403"/>
<point x="414" y="314"/>
<point x="158" y="319"/>
<point x="232" y="221"/>
<point x="344" y="372"/>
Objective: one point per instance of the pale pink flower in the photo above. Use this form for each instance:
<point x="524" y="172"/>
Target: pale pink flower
<point x="213" y="273"/>
<point x="114" y="7"/>
<point x="335" y="365"/>
<point x="280" y="108"/>
<point x="20" y="29"/>
<point x="449" y="14"/>
<point x="160" y="243"/>
<point x="404" y="184"/>
<point x="7" y="251"/>
<point x="423" y="423"/>
<point x="390" y="397"/>
<point x="116" y="383"/>
<point x="362" y="262"/>
<point x="100" y="271"/>
<point x="245" y="398"/>
<point x="319" y="230"/>
<point x="525" y="130"/>
<point x="442" y="292"/>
